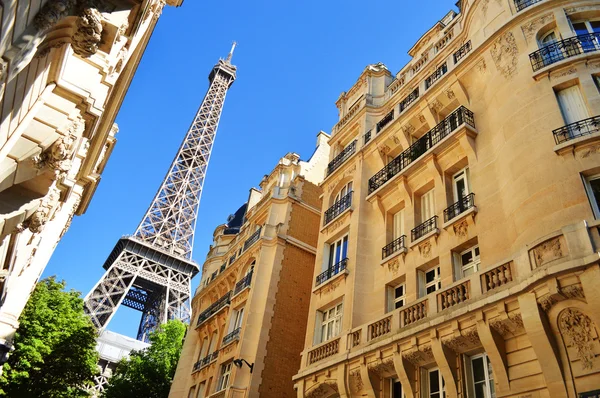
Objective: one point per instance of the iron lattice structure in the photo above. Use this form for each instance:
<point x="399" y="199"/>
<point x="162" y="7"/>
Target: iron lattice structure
<point x="151" y="271"/>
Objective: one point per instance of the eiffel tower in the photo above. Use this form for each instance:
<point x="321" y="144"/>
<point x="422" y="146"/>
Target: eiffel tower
<point x="151" y="271"/>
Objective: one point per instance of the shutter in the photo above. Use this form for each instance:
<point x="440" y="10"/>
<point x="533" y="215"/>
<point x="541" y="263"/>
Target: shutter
<point x="427" y="206"/>
<point x="457" y="263"/>
<point x="317" y="334"/>
<point x="421" y="283"/>
<point x="399" y="224"/>
<point x="572" y="105"/>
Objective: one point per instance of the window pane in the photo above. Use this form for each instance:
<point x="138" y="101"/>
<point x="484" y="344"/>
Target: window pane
<point x="477" y="251"/>
<point x="467" y="257"/>
<point x="478" y="369"/>
<point x="430" y="276"/>
<point x="580" y="28"/>
<point x="399" y="303"/>
<point x="344" y="248"/>
<point x="431" y="289"/>
<point x="400" y="291"/>
<point x="595" y="185"/>
<point x="396" y="389"/>
<point x="595" y="26"/>
<point x="434" y="382"/>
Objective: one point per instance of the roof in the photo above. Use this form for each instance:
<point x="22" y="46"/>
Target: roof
<point x="235" y="221"/>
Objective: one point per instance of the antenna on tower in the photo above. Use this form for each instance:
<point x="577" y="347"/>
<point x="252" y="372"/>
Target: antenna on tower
<point x="231" y="51"/>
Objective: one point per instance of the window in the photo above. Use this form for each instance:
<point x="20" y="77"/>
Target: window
<point x="396" y="389"/>
<point x="236" y="319"/>
<point x="434" y="384"/>
<point x="331" y="322"/>
<point x="427" y="206"/>
<point x="429" y="281"/>
<point x="396" y="296"/>
<point x="482" y="378"/>
<point x="192" y="393"/>
<point x="338" y="251"/>
<point x="582" y="28"/>
<point x="204" y="348"/>
<point x="201" y="389"/>
<point x="592" y="185"/>
<point x="213" y="343"/>
<point x="460" y="184"/>
<point x="398" y="229"/>
<point x="468" y="262"/>
<point x="225" y="375"/>
<point x="346" y="189"/>
<point x="552" y="52"/>
<point x="571" y="103"/>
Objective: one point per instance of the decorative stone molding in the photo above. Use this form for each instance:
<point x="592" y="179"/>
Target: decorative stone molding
<point x="573" y="292"/>
<point x="52" y="12"/>
<point x="508" y="325"/>
<point x="44" y="213"/>
<point x="70" y="219"/>
<point x="157" y="9"/>
<point x="88" y="34"/>
<point x="330" y="287"/>
<point x="356" y="382"/>
<point x="547" y="251"/>
<point x="461" y="228"/>
<point x="531" y="28"/>
<point x="408" y="129"/>
<point x="566" y="72"/>
<point x="578" y="330"/>
<point x="394" y="266"/>
<point x="504" y="52"/>
<point x="322" y="390"/>
<point x="436" y="105"/>
<point x="422" y="119"/>
<point x="588" y="151"/>
<point x="463" y="341"/>
<point x="58" y="156"/>
<point x="382" y="368"/>
<point x="481" y="66"/>
<point x="450" y="94"/>
<point x="425" y="249"/>
<point x="419" y="356"/>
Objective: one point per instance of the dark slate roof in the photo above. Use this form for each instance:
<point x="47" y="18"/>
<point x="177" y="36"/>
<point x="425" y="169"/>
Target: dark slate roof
<point x="234" y="224"/>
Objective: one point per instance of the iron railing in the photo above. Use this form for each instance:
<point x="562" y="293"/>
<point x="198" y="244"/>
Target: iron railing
<point x="462" y="51"/>
<point x="421" y="230"/>
<point x="243" y="283"/>
<point x="338" y="207"/>
<point x="222" y="268"/>
<point x="577" y="129"/>
<point x="252" y="239"/>
<point x="393" y="247"/>
<point x="410" y="98"/>
<point x="206" y="360"/>
<point x="456" y="119"/>
<point x="214" y="308"/>
<point x="387" y="119"/>
<point x="459" y="207"/>
<point x="523" y="4"/>
<point x="341" y="157"/>
<point x="435" y="76"/>
<point x="232" y="336"/>
<point x="367" y="136"/>
<point x="564" y="49"/>
<point x="332" y="271"/>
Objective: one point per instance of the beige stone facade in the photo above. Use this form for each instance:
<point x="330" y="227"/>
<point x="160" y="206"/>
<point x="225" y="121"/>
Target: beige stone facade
<point x="252" y="302"/>
<point x="458" y="250"/>
<point x="64" y="70"/>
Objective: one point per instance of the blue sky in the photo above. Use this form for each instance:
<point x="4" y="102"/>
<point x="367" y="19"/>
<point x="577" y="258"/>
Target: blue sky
<point x="294" y="59"/>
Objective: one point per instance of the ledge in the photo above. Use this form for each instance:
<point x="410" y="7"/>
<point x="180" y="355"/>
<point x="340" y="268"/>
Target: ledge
<point x="403" y="250"/>
<point x="435" y="232"/>
<point x="569" y="146"/>
<point x="337" y="276"/>
<point x="338" y="217"/>
<point x="545" y="71"/>
<point x="472" y="211"/>
<point x="212" y="315"/>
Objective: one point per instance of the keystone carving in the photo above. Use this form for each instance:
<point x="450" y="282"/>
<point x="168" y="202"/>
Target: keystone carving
<point x="425" y="249"/>
<point x="356" y="383"/>
<point x="88" y="34"/>
<point x="578" y="331"/>
<point x="504" y="53"/>
<point x="461" y="228"/>
<point x="394" y="266"/>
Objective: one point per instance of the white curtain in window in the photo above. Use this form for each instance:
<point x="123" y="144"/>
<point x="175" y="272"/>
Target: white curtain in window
<point x="398" y="224"/>
<point x="427" y="206"/>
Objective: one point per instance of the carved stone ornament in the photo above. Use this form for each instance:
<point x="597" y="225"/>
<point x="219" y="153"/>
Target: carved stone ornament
<point x="425" y="249"/>
<point x="422" y="119"/>
<point x="52" y="12"/>
<point x="531" y="28"/>
<point x="408" y="129"/>
<point x="322" y="390"/>
<point x="157" y="9"/>
<point x="356" y="383"/>
<point x="588" y="151"/>
<point x="420" y="356"/>
<point x="461" y="228"/>
<point x="573" y="292"/>
<point x="44" y="213"/>
<point x="548" y="251"/>
<point x="382" y="368"/>
<point x="566" y="72"/>
<point x="58" y="156"/>
<point x="330" y="287"/>
<point x="504" y="53"/>
<point x="71" y="215"/>
<point x="510" y="325"/>
<point x="436" y="105"/>
<point x="464" y="341"/>
<point x="450" y="94"/>
<point x="578" y="330"/>
<point x="595" y="65"/>
<point x="394" y="266"/>
<point x="481" y="66"/>
<point x="88" y="34"/>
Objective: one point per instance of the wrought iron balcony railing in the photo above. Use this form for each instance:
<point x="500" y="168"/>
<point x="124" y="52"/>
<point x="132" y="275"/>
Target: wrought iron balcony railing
<point x="393" y="247"/>
<point x="232" y="336"/>
<point x="523" y="4"/>
<point x="338" y="207"/>
<point x="421" y="230"/>
<point x="435" y="76"/>
<point x="214" y="308"/>
<point x="367" y="136"/>
<point x="252" y="239"/>
<point x="332" y="271"/>
<point x="243" y="283"/>
<point x="459" y="207"/>
<point x="387" y="119"/>
<point x="410" y="98"/>
<point x="577" y="129"/>
<point x="563" y="49"/>
<point x="462" y="51"/>
<point x="456" y="119"/>
<point x="341" y="157"/>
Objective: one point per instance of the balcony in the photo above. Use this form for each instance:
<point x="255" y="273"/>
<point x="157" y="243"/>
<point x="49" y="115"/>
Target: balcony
<point x="523" y="4"/>
<point x="205" y="361"/>
<point x="243" y="283"/>
<point x="435" y="76"/>
<point x="338" y="208"/>
<point x="456" y="209"/>
<point x="453" y="296"/>
<point x="214" y="308"/>
<point x="367" y="137"/>
<point x="576" y="130"/>
<point x="231" y="337"/>
<point x="425" y="228"/>
<point x="462" y="51"/>
<point x="326" y="350"/>
<point x="394" y="246"/>
<point x="461" y="116"/>
<point x="387" y="119"/>
<point x="252" y="239"/>
<point x="564" y="49"/>
<point x="412" y="97"/>
<point x="332" y="271"/>
<point x="341" y="157"/>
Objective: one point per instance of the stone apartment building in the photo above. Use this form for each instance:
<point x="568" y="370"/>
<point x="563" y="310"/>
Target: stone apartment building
<point x="250" y="310"/>
<point x="65" y="66"/>
<point x="458" y="254"/>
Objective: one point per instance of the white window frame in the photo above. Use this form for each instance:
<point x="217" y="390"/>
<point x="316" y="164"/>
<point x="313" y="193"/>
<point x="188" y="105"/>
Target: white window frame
<point x="392" y="299"/>
<point x="442" y="392"/>
<point x="436" y="282"/>
<point x="475" y="262"/>
<point x="201" y="388"/>
<point x="192" y="392"/>
<point x="488" y="374"/>
<point x="334" y="256"/>
<point x="578" y="107"/>
<point x="428" y="203"/>
<point x="330" y="324"/>
<point x="346" y="189"/>
<point x="460" y="175"/>
<point x="586" y="22"/>
<point x="397" y="224"/>
<point x="224" y="376"/>
<point x="236" y="319"/>
<point x="542" y="41"/>
<point x="590" y="194"/>
<point x="392" y="381"/>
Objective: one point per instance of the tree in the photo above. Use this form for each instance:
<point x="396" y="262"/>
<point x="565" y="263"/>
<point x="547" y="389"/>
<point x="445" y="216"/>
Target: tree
<point x="55" y="346"/>
<point x="148" y="373"/>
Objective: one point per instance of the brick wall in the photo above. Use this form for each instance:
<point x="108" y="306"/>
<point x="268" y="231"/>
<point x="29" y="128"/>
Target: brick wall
<point x="288" y="326"/>
<point x="310" y="194"/>
<point x="304" y="225"/>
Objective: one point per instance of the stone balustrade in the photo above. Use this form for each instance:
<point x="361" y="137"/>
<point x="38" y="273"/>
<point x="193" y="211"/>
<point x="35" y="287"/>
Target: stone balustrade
<point x="355" y="338"/>
<point x="497" y="277"/>
<point x="326" y="350"/>
<point x="453" y="296"/>
<point x="380" y="328"/>
<point x="413" y="313"/>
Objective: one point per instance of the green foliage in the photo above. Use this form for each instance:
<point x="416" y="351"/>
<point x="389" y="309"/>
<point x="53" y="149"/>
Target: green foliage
<point x="148" y="373"/>
<point x="55" y="346"/>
